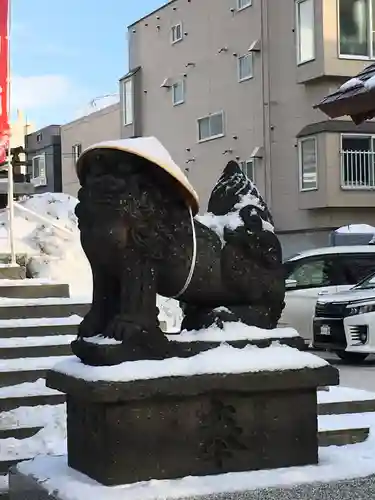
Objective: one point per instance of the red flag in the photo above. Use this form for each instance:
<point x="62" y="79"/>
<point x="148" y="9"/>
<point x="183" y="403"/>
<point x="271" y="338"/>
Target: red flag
<point x="4" y="70"/>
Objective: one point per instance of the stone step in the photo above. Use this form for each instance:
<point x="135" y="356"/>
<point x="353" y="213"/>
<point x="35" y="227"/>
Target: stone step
<point x="343" y="407"/>
<point x="11" y="403"/>
<point x="4" y="487"/>
<point x="37" y="351"/>
<point x="39" y="327"/>
<point x="32" y="289"/>
<point x="12" y="272"/>
<point x="342" y="400"/>
<point x="22" y="370"/>
<point x="6" y="464"/>
<point x="41" y="308"/>
<point x="29" y="394"/>
<point x="19" y="432"/>
<point x="343" y="437"/>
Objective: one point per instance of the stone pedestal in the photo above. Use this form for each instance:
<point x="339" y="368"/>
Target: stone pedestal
<point x="170" y="427"/>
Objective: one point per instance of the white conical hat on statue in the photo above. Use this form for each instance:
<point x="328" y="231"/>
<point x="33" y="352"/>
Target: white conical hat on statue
<point x="152" y="150"/>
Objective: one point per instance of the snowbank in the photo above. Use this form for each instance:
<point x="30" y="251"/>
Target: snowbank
<point x="223" y="360"/>
<point x="356" y="229"/>
<point x="55" y="253"/>
<point x="233" y="331"/>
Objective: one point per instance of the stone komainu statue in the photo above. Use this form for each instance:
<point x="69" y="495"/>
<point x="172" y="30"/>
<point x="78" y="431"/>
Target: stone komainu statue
<point x="135" y="215"/>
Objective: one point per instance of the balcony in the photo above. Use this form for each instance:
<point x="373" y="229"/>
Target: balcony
<point x="343" y="164"/>
<point x="357" y="169"/>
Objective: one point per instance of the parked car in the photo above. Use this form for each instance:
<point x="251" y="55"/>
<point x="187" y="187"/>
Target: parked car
<point x="344" y="322"/>
<point x="317" y="272"/>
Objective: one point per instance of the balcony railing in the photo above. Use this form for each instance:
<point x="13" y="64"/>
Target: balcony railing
<point x="357" y="169"/>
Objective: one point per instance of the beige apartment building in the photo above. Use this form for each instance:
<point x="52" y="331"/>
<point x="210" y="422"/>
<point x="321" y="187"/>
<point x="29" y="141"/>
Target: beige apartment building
<point x="216" y="80"/>
<point x="77" y="135"/>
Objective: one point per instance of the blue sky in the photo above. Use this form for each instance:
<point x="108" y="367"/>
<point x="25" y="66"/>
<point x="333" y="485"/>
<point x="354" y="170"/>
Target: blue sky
<point x="66" y="52"/>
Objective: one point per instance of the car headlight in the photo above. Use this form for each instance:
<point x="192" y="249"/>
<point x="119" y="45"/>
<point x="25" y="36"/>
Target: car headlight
<point x="353" y="309"/>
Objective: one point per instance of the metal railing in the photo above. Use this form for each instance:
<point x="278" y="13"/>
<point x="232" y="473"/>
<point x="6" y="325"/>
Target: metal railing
<point x="45" y="219"/>
<point x="42" y="218"/>
<point x="357" y="169"/>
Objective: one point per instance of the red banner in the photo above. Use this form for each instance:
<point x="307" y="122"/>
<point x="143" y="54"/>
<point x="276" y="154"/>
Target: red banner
<point x="4" y="88"/>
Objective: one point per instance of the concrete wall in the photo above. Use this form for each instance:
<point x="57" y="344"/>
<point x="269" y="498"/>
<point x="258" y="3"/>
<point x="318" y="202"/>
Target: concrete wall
<point x="99" y="126"/>
<point x="46" y="141"/>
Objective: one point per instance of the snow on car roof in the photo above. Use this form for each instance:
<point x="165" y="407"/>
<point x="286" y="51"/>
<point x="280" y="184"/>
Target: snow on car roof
<point x="333" y="250"/>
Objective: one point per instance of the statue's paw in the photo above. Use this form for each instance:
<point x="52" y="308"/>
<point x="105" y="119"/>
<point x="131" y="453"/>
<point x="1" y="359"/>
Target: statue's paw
<point x="91" y="325"/>
<point x="122" y="328"/>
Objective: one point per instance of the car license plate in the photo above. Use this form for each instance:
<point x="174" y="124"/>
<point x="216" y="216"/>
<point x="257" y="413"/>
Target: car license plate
<point x="325" y="330"/>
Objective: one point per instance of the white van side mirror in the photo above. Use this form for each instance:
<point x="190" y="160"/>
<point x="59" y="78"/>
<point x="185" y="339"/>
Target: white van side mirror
<point x="289" y="283"/>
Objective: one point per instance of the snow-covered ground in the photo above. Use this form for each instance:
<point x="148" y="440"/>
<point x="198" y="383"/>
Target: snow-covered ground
<point x="55" y="253"/>
<point x="335" y="463"/>
<point x="51" y="439"/>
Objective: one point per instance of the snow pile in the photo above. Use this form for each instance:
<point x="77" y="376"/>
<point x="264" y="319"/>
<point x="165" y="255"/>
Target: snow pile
<point x="221" y="360"/>
<point x="55" y="253"/>
<point x="98" y="104"/>
<point x="350" y="84"/>
<point x="232" y="220"/>
<point x="232" y="331"/>
<point x="356" y="229"/>
<point x="218" y="223"/>
<point x="50" y="440"/>
<point x="52" y="252"/>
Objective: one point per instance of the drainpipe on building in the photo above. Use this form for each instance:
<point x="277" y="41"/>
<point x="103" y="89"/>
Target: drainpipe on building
<point x="266" y="100"/>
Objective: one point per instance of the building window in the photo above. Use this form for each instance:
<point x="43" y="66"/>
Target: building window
<point x="127" y="101"/>
<point x="245" y="67"/>
<point x="76" y="151"/>
<point x="39" y="137"/>
<point x="308" y="164"/>
<point x="178" y="92"/>
<point x="176" y="33"/>
<point x="357" y="24"/>
<point x="38" y="170"/>
<point x="305" y="31"/>
<point x="357" y="161"/>
<point x="247" y="168"/>
<point x="211" y="127"/>
<point x="242" y="4"/>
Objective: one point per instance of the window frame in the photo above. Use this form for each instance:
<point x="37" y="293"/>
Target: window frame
<point x="248" y="3"/>
<point x="346" y="258"/>
<point x="300" y="165"/>
<point x="174" y="85"/>
<point x="76" y="154"/>
<point x="244" y="163"/>
<point x="173" y="28"/>
<point x="40" y="180"/>
<point x="301" y="61"/>
<point x="125" y="114"/>
<point x="325" y="258"/>
<point x="370" y="28"/>
<point x="249" y="77"/>
<point x="211" y="137"/>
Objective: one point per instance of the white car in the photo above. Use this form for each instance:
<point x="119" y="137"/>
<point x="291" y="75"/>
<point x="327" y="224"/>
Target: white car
<point x="344" y="322"/>
<point x="317" y="272"/>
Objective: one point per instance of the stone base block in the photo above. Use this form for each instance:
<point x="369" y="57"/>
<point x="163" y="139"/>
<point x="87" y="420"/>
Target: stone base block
<point x="49" y="478"/>
<point x="12" y="272"/>
<point x="164" y="428"/>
